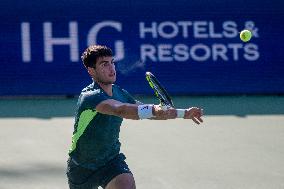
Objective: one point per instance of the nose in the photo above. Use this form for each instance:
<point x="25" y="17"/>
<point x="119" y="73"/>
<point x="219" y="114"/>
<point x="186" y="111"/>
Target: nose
<point x="112" y="67"/>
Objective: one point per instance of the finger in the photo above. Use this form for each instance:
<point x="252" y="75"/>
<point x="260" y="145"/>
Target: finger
<point x="194" y="119"/>
<point x="200" y="119"/>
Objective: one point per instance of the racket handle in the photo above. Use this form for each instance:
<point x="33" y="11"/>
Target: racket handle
<point x="165" y="107"/>
<point x="180" y="113"/>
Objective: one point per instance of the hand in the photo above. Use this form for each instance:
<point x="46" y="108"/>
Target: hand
<point x="195" y="114"/>
<point x="162" y="113"/>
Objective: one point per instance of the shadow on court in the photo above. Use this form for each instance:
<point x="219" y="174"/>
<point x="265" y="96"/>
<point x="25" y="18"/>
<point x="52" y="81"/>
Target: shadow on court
<point x="31" y="172"/>
<point x="212" y="105"/>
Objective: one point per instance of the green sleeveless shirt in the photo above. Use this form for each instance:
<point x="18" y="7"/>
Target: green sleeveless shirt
<point x="95" y="138"/>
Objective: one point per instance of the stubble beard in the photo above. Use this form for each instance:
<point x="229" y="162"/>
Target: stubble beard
<point x="99" y="80"/>
<point x="105" y="82"/>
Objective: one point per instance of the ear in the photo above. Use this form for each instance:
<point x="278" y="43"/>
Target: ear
<point x="91" y="71"/>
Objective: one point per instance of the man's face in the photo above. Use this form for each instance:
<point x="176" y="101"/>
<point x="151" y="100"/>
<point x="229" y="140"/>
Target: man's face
<point x="105" y="70"/>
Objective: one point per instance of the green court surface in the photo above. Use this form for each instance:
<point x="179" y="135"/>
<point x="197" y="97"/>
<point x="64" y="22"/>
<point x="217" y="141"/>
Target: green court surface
<point x="239" y="146"/>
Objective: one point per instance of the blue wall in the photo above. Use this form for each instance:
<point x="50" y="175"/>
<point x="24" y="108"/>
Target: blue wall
<point x="191" y="46"/>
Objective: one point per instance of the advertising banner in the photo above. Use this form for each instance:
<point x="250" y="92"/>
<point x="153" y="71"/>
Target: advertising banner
<point x="193" y="47"/>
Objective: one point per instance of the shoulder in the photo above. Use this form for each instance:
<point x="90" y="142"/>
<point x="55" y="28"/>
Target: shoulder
<point x="92" y="94"/>
<point x="91" y="90"/>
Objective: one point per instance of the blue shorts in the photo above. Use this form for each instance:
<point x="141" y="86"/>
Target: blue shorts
<point x="83" y="178"/>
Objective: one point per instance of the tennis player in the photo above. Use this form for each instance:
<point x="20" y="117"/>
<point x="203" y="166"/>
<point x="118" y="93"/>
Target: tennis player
<point x="94" y="157"/>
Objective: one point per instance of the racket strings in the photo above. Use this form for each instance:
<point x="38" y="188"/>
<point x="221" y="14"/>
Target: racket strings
<point x="161" y="94"/>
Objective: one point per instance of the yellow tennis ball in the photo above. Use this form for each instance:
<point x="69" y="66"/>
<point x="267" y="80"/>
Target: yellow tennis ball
<point x="245" y="35"/>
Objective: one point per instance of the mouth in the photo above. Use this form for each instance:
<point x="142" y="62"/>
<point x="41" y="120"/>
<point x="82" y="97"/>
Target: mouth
<point x="112" y="75"/>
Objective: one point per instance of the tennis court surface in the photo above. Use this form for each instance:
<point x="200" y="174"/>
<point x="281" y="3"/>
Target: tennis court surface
<point x="239" y="146"/>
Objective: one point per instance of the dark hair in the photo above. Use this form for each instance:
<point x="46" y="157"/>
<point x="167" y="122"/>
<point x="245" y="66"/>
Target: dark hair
<point x="92" y="53"/>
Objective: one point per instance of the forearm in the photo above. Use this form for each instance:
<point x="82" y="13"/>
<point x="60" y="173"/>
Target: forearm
<point x="160" y="113"/>
<point x="155" y="112"/>
<point x="147" y="111"/>
<point x="127" y="111"/>
<point x="116" y="108"/>
<point x="134" y="111"/>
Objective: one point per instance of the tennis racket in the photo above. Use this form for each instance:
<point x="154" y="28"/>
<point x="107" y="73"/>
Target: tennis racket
<point x="159" y="90"/>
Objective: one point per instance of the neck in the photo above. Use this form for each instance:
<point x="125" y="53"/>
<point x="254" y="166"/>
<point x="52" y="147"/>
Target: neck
<point x="106" y="87"/>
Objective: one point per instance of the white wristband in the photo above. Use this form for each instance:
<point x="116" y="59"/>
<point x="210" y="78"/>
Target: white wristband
<point x="180" y="113"/>
<point x="145" y="111"/>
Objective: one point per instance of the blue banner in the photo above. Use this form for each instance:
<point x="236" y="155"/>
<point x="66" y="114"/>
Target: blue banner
<point x="193" y="47"/>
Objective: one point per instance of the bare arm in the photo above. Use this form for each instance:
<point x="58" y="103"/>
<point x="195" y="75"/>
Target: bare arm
<point x="130" y="111"/>
<point x="114" y="107"/>
<point x="193" y="113"/>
